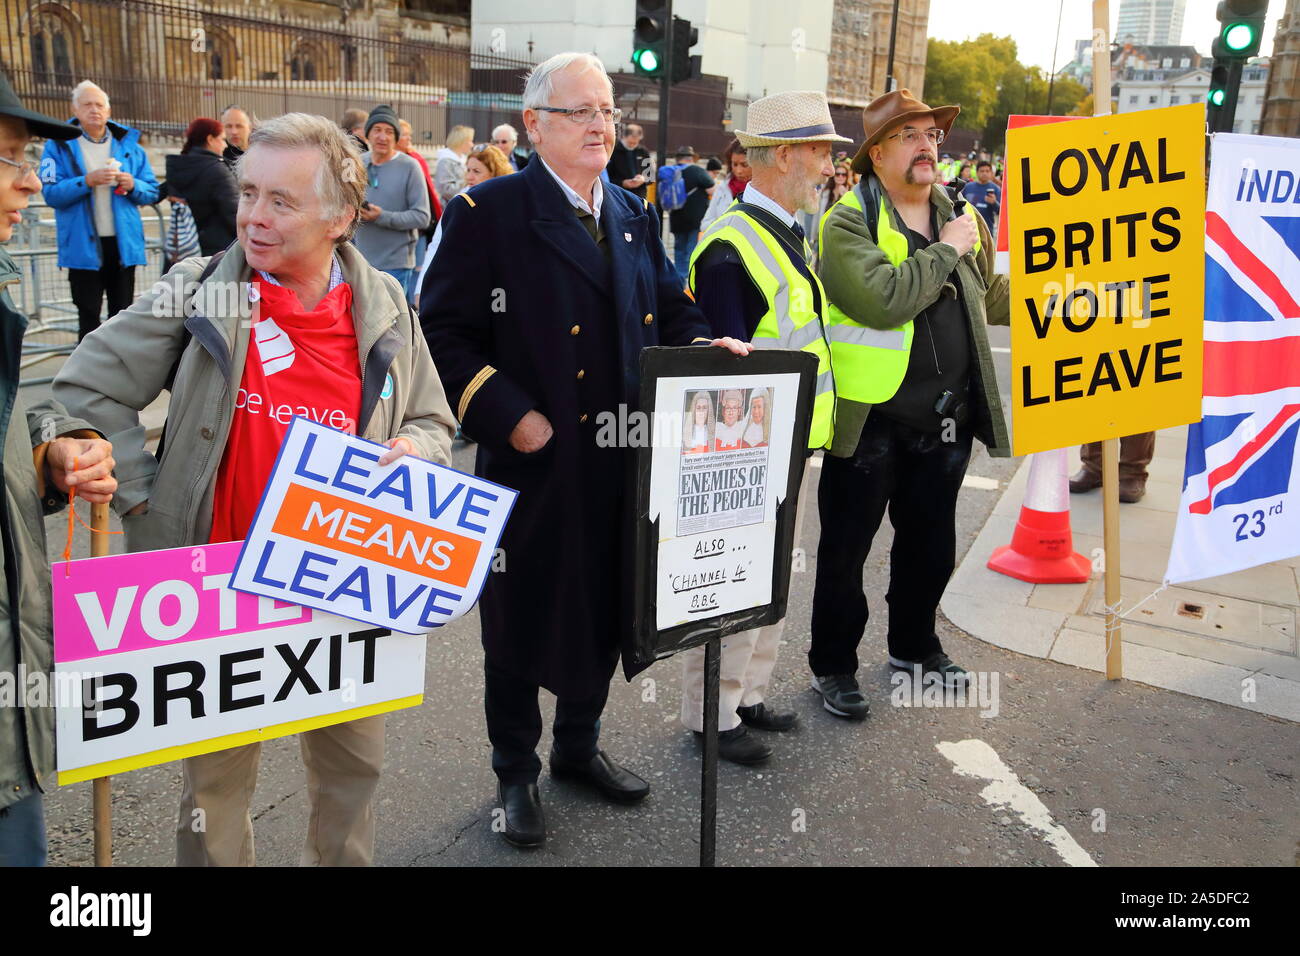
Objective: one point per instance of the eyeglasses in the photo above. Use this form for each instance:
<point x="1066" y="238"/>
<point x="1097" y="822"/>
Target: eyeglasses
<point x="910" y="135"/>
<point x="24" y="169"/>
<point x="583" y="115"/>
<point x="841" y="175"/>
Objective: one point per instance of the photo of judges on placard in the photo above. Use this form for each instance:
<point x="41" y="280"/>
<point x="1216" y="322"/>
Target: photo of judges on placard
<point x="725" y="437"/>
<point x="726" y="420"/>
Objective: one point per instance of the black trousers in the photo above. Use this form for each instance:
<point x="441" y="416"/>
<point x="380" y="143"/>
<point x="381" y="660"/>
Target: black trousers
<point x="514" y="722"/>
<point x="89" y="287"/>
<point x="917" y="476"/>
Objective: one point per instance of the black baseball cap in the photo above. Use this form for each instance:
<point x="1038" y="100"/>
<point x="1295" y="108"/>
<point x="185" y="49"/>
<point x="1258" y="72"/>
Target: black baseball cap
<point x="38" y="124"/>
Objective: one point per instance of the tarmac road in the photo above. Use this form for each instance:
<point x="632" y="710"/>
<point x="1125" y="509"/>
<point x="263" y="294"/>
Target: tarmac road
<point x="1110" y="773"/>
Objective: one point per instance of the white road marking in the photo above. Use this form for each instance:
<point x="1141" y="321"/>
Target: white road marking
<point x="998" y="348"/>
<point x="975" y="758"/>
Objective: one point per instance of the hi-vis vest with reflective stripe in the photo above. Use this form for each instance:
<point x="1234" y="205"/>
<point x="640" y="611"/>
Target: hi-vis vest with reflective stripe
<point x="870" y="363"/>
<point x="790" y="322"/>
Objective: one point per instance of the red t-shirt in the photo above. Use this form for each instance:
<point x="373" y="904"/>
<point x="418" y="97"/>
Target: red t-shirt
<point x="299" y="363"/>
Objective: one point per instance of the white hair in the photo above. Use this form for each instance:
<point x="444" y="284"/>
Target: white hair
<point x="85" y="86"/>
<point x="539" y="87"/>
<point x="508" y="129"/>
<point x="761" y="155"/>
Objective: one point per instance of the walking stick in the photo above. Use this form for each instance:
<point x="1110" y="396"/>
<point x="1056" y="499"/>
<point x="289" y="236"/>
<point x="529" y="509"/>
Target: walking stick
<point x="103" y="792"/>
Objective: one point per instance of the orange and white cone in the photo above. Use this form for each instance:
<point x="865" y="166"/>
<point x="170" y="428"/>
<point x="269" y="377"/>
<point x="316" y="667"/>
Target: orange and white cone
<point x="1042" y="547"/>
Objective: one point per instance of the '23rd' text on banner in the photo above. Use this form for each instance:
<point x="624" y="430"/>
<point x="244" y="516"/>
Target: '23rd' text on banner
<point x="1107" y="265"/>
<point x="405" y="546"/>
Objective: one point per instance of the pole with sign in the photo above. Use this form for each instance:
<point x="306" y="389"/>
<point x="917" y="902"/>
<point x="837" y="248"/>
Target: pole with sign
<point x="1107" y="272"/>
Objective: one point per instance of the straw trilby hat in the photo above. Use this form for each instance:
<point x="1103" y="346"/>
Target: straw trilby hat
<point x="782" y="118"/>
<point x="891" y="109"/>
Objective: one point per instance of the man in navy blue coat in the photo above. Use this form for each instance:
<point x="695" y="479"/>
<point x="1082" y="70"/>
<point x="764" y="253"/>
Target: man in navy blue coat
<point x="547" y="285"/>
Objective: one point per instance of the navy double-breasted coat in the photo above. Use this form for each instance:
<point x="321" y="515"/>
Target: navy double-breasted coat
<point x="522" y="310"/>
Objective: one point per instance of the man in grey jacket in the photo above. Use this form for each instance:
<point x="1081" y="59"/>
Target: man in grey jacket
<point x="329" y="337"/>
<point x="397" y="202"/>
<point x="41" y="448"/>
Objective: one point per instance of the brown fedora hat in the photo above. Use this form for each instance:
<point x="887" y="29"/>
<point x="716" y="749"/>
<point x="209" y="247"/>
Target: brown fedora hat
<point x="890" y="110"/>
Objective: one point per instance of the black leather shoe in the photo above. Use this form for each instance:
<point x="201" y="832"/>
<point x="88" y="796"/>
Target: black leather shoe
<point x="762" y="717"/>
<point x="525" y="822"/>
<point x="601" y="773"/>
<point x="740" y="746"/>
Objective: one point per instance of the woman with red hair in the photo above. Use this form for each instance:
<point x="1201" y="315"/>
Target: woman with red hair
<point x="200" y="179"/>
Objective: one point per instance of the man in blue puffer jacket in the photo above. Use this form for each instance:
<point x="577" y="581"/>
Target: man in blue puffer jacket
<point x="96" y="184"/>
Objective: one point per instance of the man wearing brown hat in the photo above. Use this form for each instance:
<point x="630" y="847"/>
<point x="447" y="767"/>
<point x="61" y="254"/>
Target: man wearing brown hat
<point x="751" y="276"/>
<point x="909" y="273"/>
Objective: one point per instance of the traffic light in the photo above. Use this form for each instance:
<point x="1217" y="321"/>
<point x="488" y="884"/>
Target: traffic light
<point x="1218" y="85"/>
<point x="1241" y="28"/>
<point x="650" y="38"/>
<point x="685" y="36"/>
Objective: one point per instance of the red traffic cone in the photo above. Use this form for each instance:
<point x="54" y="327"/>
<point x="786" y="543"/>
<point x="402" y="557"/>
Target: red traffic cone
<point x="1042" y="548"/>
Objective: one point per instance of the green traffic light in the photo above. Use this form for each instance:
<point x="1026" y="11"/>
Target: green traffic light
<point x="647" y="60"/>
<point x="1217" y="97"/>
<point x="1239" y="36"/>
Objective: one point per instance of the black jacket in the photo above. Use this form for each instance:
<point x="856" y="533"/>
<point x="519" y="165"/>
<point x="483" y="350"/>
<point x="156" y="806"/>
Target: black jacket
<point x="551" y="322"/>
<point x="204" y="181"/>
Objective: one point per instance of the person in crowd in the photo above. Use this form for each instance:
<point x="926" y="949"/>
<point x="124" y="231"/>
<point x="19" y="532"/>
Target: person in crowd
<point x="406" y="145"/>
<point x="911" y="287"/>
<point x="237" y="124"/>
<point x="752" y="278"/>
<point x="506" y="138"/>
<point x="713" y="166"/>
<point x="96" y="185"/>
<point x="354" y="124"/>
<point x="200" y="178"/>
<point x="685" y="222"/>
<point x="46" y="454"/>
<point x="484" y="163"/>
<point x="1135" y="454"/>
<point x="449" y="168"/>
<point x="732" y="185"/>
<point x="396" y="208"/>
<point x="629" y="164"/>
<point x="537" y="349"/>
<point x="302" y="184"/>
<point x="985" y="195"/>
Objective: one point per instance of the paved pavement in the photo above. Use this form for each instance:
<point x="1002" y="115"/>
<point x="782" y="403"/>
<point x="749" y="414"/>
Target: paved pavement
<point x="1230" y="638"/>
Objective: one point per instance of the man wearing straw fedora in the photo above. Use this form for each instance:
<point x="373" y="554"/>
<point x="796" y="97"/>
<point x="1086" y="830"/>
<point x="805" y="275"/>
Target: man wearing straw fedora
<point x="910" y="277"/>
<point x="751" y="275"/>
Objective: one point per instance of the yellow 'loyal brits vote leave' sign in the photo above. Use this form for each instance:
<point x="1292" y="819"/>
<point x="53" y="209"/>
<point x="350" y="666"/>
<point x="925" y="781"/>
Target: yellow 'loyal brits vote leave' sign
<point x="1107" y="276"/>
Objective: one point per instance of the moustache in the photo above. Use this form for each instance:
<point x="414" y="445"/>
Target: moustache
<point x="924" y="158"/>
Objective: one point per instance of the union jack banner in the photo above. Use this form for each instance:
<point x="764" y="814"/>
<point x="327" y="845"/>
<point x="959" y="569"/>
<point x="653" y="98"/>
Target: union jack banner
<point x="1240" y="505"/>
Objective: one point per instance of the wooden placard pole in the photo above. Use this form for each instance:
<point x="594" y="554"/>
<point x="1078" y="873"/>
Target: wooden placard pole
<point x="1109" y="447"/>
<point x="103" y="791"/>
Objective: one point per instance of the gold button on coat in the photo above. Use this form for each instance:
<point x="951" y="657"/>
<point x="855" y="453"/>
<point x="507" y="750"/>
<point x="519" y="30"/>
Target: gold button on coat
<point x="575" y="330"/>
<point x="581" y="373"/>
<point x="582" y="417"/>
<point x="649" y="318"/>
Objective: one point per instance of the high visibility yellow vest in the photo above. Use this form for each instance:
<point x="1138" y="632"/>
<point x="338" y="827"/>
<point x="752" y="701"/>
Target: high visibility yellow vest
<point x="791" y="320"/>
<point x="870" y="363"/>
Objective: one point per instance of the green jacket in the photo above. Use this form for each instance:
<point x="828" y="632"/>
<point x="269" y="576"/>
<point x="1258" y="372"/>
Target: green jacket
<point x="863" y="283"/>
<point x="121" y="367"/>
<point x="26" y="624"/>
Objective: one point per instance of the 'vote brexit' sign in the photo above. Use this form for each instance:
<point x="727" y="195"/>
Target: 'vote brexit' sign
<point x="405" y="546"/>
<point x="156" y="658"/>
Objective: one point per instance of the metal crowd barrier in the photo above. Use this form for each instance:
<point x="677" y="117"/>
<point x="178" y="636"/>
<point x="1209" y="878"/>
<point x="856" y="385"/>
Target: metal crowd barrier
<point x="44" y="296"/>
